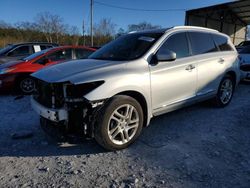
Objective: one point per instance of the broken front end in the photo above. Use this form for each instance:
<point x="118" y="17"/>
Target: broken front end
<point x="63" y="106"/>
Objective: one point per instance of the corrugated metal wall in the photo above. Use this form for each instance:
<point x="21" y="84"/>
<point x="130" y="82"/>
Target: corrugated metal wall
<point x="225" y="22"/>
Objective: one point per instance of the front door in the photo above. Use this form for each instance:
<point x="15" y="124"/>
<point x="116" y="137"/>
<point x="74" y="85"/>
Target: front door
<point x="173" y="82"/>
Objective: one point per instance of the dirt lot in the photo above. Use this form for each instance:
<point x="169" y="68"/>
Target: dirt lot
<point x="199" y="146"/>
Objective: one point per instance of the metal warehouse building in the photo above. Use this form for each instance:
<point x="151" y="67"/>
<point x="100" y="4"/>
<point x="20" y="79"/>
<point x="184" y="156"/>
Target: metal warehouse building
<point x="230" y="18"/>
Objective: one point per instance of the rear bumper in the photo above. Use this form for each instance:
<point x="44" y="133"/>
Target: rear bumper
<point x="55" y="115"/>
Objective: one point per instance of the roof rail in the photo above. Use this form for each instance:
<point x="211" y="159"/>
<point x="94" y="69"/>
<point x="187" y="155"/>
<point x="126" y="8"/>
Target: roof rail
<point x="194" y="27"/>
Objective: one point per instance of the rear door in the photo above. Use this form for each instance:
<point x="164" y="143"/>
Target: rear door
<point x="210" y="62"/>
<point x="173" y="82"/>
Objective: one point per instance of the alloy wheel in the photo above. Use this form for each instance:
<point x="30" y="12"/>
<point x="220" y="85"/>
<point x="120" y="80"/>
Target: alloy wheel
<point x="27" y="85"/>
<point x="123" y="124"/>
<point x="226" y="91"/>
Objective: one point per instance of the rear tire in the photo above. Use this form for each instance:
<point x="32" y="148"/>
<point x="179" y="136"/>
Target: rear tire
<point x="119" y="123"/>
<point x="225" y="92"/>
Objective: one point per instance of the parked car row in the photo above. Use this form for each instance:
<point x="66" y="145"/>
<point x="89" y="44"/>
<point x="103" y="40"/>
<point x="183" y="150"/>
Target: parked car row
<point x="22" y="50"/>
<point x="16" y="74"/>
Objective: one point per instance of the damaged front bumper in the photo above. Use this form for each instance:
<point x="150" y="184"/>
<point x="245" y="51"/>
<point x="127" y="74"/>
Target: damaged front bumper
<point x="55" y="115"/>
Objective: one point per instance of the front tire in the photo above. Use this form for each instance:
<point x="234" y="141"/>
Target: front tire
<point x="225" y="91"/>
<point x="27" y="85"/>
<point x="119" y="123"/>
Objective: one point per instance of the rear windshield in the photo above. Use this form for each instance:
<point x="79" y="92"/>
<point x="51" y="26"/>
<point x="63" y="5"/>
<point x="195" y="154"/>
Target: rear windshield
<point x="128" y="47"/>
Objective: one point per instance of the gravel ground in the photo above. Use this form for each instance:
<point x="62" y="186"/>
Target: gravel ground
<point x="198" y="146"/>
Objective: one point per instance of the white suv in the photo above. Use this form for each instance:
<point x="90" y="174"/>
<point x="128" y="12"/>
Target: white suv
<point x="116" y="92"/>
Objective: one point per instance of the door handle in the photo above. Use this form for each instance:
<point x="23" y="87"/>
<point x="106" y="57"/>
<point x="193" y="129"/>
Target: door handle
<point x="221" y="61"/>
<point x="190" y="67"/>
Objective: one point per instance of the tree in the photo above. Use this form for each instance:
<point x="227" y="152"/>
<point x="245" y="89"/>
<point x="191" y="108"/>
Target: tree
<point x="75" y="34"/>
<point x="105" y="28"/>
<point x="104" y="31"/>
<point x="4" y="25"/>
<point x="142" y="26"/>
<point x="51" y="26"/>
<point x="120" y="32"/>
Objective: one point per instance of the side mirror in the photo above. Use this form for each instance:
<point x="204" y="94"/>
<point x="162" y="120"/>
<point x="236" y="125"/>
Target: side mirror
<point x="165" y="55"/>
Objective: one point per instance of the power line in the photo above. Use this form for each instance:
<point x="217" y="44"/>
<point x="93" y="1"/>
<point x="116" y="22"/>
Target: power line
<point x="136" y="9"/>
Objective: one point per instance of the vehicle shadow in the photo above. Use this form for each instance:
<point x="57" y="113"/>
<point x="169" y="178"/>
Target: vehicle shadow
<point x="18" y="118"/>
<point x="170" y="126"/>
<point x="40" y="144"/>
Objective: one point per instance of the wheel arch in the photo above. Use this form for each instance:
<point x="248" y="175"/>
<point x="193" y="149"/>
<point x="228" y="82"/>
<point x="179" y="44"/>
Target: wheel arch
<point x="23" y="75"/>
<point x="142" y="101"/>
<point x="233" y="75"/>
<point x="20" y="77"/>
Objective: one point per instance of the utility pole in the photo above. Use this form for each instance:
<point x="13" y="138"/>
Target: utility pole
<point x="91" y="22"/>
<point x="83" y="32"/>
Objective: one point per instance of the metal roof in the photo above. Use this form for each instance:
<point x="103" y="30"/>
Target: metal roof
<point x="241" y="9"/>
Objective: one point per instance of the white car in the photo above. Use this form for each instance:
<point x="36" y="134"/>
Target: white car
<point x="112" y="95"/>
<point x="244" y="56"/>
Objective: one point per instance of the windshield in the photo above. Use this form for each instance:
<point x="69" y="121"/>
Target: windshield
<point x="32" y="56"/>
<point x="244" y="43"/>
<point x="127" y="47"/>
<point x="6" y="49"/>
<point x="245" y="50"/>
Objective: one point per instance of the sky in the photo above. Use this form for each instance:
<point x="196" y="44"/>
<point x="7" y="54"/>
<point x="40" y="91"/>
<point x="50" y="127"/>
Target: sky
<point x="74" y="12"/>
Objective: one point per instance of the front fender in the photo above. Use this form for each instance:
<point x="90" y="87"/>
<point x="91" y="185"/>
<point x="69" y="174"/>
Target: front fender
<point x="131" y="82"/>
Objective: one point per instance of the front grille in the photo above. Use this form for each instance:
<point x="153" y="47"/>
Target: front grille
<point x="46" y="91"/>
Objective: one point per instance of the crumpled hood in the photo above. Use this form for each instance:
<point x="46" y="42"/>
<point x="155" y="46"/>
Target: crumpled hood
<point x="74" y="70"/>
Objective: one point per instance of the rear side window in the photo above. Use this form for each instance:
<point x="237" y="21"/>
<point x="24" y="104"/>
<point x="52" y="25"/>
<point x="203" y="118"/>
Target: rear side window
<point x="82" y="53"/>
<point x="222" y="42"/>
<point x="201" y="43"/>
<point x="43" y="47"/>
<point x="22" y="50"/>
<point x="36" y="48"/>
<point x="177" y="43"/>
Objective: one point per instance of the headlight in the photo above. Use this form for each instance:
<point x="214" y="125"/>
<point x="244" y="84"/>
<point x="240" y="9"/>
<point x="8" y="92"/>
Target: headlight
<point x="81" y="89"/>
<point x="6" y="70"/>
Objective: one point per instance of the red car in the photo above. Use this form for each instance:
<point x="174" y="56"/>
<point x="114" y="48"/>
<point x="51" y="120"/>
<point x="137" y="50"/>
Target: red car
<point x="15" y="75"/>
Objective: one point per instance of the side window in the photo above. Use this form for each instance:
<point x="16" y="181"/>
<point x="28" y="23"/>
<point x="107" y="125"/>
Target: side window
<point x="82" y="53"/>
<point x="201" y="43"/>
<point x="222" y="43"/>
<point x="22" y="50"/>
<point x="177" y="43"/>
<point x="60" y="55"/>
<point x="36" y="48"/>
<point x="43" y="47"/>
